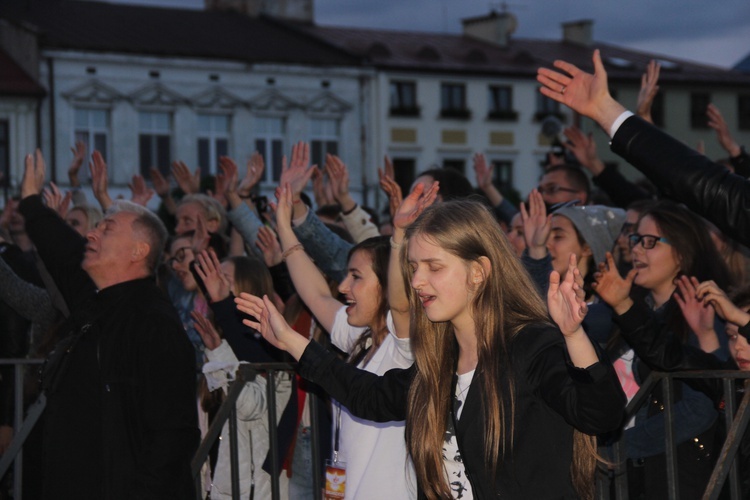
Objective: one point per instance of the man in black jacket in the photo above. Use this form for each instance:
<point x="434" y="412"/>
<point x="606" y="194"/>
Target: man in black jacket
<point x="121" y="419"/>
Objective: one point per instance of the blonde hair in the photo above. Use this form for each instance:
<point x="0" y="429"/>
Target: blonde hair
<point x="502" y="305"/>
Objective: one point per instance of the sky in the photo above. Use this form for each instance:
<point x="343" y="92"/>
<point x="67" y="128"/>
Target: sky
<point x="711" y="32"/>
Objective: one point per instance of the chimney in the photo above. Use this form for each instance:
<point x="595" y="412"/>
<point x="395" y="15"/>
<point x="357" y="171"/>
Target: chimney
<point x="290" y="10"/>
<point x="579" y="32"/>
<point x="496" y="27"/>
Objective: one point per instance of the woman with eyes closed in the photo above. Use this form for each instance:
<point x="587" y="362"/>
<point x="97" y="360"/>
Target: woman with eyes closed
<point x="669" y="242"/>
<point x="376" y="338"/>
<point x="495" y="384"/>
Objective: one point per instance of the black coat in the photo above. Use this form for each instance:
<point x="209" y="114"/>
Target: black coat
<point x="121" y="420"/>
<point x="552" y="397"/>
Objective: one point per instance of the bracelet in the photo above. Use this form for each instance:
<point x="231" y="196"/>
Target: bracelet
<point x="395" y="245"/>
<point x="294" y="202"/>
<point x="350" y="211"/>
<point x="291" y="250"/>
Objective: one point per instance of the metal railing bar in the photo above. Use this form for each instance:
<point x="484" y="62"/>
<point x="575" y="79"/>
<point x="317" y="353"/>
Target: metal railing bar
<point x="673" y="487"/>
<point x="729" y="450"/>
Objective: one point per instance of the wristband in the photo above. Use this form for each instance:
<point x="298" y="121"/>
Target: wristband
<point x="291" y="250"/>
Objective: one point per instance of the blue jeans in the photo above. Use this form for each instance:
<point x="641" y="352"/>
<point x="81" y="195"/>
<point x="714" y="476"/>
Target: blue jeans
<point x="301" y="483"/>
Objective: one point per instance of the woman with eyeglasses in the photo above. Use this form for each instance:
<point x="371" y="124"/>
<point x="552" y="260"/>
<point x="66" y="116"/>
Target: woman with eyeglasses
<point x="669" y="241"/>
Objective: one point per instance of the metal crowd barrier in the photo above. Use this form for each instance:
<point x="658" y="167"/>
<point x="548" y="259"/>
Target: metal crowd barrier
<point x="18" y="371"/>
<point x="228" y="413"/>
<point x="726" y="465"/>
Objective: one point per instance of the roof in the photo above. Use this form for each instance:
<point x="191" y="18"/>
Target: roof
<point x="14" y="81"/>
<point x="439" y="52"/>
<point x="744" y="65"/>
<point x="106" y="27"/>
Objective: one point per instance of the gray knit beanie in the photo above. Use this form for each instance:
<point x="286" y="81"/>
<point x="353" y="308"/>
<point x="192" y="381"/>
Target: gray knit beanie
<point x="598" y="225"/>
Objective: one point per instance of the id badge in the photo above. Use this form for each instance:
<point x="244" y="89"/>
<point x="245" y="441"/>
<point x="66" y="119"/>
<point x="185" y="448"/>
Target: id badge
<point x="335" y="479"/>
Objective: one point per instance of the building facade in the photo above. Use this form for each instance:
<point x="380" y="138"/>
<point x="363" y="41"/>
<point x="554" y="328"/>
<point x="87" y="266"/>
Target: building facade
<point x="147" y="86"/>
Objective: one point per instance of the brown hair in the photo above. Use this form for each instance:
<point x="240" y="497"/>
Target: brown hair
<point x="468" y="230"/>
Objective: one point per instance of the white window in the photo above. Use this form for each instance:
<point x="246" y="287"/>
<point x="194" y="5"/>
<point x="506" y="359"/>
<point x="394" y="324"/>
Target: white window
<point x="269" y="142"/>
<point x="92" y="128"/>
<point x="213" y="141"/>
<point x="324" y="139"/>
<point x="154" y="141"/>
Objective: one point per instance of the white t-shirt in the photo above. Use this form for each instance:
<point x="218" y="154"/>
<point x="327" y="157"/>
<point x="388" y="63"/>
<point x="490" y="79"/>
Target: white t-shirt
<point x="454" y="464"/>
<point x="374" y="452"/>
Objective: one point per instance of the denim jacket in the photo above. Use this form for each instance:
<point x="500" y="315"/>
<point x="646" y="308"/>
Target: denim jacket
<point x="325" y="248"/>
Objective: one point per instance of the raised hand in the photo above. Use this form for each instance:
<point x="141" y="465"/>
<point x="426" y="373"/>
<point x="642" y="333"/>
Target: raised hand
<point x="613" y="288"/>
<point x="338" y="178"/>
<point x="141" y="194"/>
<point x="585" y="93"/>
<point x="253" y="175"/>
<point x="230" y="173"/>
<point x="271" y="324"/>
<point x="201" y="237"/>
<point x="414" y="204"/>
<point x="584" y="148"/>
<point x="269" y="245"/>
<point x="390" y="187"/>
<point x="536" y="225"/>
<point x="710" y="293"/>
<point x="483" y="171"/>
<point x="33" y="175"/>
<point x="161" y="184"/>
<point x="649" y="89"/>
<point x="284" y="208"/>
<point x="99" y="180"/>
<point x="189" y="183"/>
<point x="209" y="270"/>
<point x="321" y="188"/>
<point x="297" y="173"/>
<point x="226" y="176"/>
<point x="79" y="155"/>
<point x="206" y="330"/>
<point x="698" y="315"/>
<point x="716" y="121"/>
<point x="54" y="199"/>
<point x="566" y="306"/>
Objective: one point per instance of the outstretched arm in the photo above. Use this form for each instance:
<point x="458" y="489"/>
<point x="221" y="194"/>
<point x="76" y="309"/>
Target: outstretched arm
<point x="567" y="307"/>
<point x="366" y="395"/>
<point x="583" y="92"/>
<point x="410" y="208"/>
<point x="308" y="280"/>
<point x="649" y="89"/>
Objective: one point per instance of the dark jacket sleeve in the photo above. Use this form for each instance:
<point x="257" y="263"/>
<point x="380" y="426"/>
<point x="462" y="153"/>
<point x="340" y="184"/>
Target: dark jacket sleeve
<point x="168" y="410"/>
<point x="60" y="248"/>
<point x="621" y="191"/>
<point x="590" y="399"/>
<point x="381" y="398"/>
<point x="684" y="175"/>
<point x="741" y="163"/>
<point x="242" y="339"/>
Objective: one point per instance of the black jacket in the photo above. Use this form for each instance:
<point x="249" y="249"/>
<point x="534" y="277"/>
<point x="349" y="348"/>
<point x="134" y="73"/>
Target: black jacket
<point x="121" y="420"/>
<point x="552" y="397"/>
<point x="686" y="176"/>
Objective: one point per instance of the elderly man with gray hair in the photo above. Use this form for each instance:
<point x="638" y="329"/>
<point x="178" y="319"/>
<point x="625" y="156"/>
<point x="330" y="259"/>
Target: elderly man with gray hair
<point x="121" y="419"/>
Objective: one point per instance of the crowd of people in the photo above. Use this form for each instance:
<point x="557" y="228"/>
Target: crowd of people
<point x="462" y="347"/>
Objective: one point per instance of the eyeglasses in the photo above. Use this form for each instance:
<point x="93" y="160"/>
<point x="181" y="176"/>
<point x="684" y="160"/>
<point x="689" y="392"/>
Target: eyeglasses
<point x="554" y="189"/>
<point x="647" y="240"/>
<point x="179" y="256"/>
